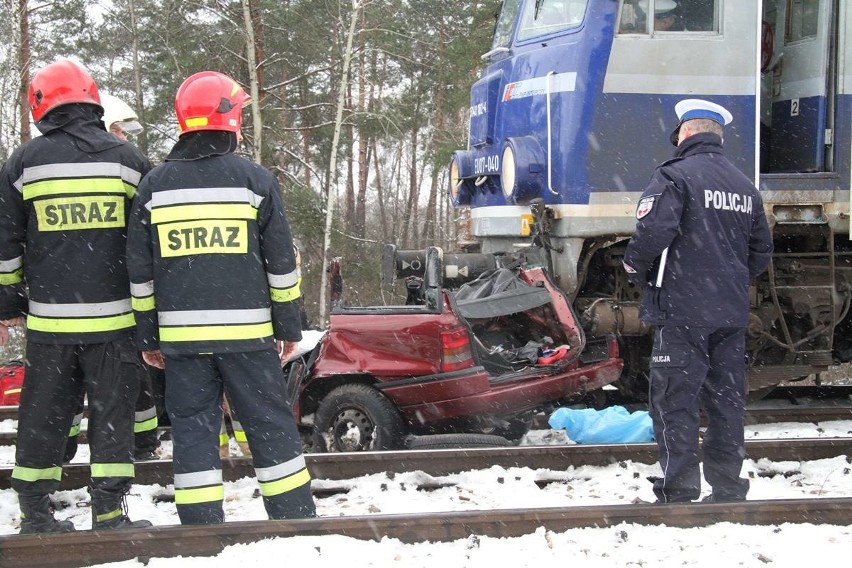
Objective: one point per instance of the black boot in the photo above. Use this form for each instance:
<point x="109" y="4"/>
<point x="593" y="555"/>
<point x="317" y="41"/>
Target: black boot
<point x="110" y="514"/>
<point x="37" y="516"/>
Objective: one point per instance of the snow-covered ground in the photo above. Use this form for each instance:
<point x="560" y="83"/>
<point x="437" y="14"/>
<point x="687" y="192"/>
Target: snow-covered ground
<point x="724" y="544"/>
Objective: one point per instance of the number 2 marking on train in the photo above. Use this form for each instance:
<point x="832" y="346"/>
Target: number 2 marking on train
<point x="794" y="107"/>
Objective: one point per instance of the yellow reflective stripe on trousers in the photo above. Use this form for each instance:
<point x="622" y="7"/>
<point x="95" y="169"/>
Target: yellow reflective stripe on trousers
<point x="108" y="516"/>
<point x="75" y="430"/>
<point x="216" y="333"/>
<point x="272" y="488"/>
<point x="145" y="426"/>
<point x="80" y="325"/>
<point x="199" y="495"/>
<point x="200" y="211"/>
<point x="12" y="277"/>
<point x="36" y="474"/>
<point x="113" y="470"/>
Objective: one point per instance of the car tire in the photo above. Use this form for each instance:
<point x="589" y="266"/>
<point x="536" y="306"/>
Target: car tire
<point x="356" y="418"/>
<point x="457" y="441"/>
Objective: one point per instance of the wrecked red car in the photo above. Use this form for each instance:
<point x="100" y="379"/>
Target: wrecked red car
<point x="480" y="359"/>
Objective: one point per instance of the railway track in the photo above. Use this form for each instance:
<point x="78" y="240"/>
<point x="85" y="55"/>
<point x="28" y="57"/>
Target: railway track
<point x="445" y="462"/>
<point x="90" y="547"/>
<point x="768" y="415"/>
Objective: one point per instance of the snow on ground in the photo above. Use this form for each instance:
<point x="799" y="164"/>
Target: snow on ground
<point x="724" y="544"/>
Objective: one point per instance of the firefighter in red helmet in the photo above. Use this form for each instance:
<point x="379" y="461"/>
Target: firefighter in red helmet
<point x="121" y="121"/>
<point x="214" y="284"/>
<point x="64" y="199"/>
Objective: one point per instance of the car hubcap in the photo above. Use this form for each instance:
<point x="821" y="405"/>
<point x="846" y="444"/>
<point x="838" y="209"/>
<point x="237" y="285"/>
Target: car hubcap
<point x="353" y="431"/>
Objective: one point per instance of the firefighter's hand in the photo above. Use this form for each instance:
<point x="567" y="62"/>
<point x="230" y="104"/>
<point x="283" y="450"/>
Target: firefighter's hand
<point x="12" y="322"/>
<point x="286" y="349"/>
<point x="4" y="334"/>
<point x="154" y="358"/>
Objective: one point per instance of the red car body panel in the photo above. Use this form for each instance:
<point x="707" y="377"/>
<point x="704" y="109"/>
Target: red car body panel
<point x="399" y="350"/>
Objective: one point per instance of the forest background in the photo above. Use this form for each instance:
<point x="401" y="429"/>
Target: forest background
<point x="357" y="104"/>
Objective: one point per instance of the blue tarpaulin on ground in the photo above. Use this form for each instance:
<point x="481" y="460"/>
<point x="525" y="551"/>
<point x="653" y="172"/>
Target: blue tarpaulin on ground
<point x="611" y="425"/>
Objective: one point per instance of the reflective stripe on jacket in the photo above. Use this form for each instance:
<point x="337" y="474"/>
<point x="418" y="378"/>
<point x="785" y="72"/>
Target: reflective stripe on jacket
<point x="211" y="258"/>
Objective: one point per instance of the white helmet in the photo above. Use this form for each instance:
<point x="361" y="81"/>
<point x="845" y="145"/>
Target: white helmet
<point x="118" y="111"/>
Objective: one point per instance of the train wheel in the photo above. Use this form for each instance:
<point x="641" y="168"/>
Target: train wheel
<point x="355" y="418"/>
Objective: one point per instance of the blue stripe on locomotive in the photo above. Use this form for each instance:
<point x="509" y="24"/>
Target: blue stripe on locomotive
<point x="632" y="133"/>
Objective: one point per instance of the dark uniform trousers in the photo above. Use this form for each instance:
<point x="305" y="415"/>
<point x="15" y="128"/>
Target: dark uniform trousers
<point x="146" y="439"/>
<point x="692" y="368"/>
<point x="254" y="384"/>
<point x="56" y="376"/>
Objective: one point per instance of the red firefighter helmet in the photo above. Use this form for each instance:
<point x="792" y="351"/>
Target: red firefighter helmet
<point x="58" y="84"/>
<point x="210" y="101"/>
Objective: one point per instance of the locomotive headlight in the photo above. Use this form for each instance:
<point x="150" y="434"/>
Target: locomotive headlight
<point x="522" y="169"/>
<point x="507" y="171"/>
<point x="460" y="188"/>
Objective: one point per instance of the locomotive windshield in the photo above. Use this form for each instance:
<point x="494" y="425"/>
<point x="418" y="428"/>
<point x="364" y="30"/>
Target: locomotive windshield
<point x="545" y="17"/>
<point x="539" y="18"/>
<point x="503" y="31"/>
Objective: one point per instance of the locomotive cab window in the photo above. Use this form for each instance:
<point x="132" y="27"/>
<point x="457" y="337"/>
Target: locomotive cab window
<point x="802" y="20"/>
<point x="505" y="21"/>
<point x="668" y="16"/>
<point x="545" y="17"/>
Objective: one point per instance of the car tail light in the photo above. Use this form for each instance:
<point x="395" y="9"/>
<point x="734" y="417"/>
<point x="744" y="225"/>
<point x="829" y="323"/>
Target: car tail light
<point x="455" y="351"/>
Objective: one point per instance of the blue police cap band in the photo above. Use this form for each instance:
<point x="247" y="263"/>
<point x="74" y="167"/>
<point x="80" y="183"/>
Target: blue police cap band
<point x="702" y="113"/>
<point x="693" y="114"/>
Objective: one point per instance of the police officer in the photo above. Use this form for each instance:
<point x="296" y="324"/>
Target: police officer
<point x="64" y="199"/>
<point x="214" y="284"/>
<point x="701" y="237"/>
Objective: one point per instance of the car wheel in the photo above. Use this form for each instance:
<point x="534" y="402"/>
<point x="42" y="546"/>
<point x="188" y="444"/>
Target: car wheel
<point x="356" y="418"/>
<point x="457" y="441"/>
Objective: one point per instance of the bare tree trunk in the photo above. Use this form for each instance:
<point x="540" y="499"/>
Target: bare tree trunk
<point x="137" y="75"/>
<point x="360" y="222"/>
<point x="386" y="238"/>
<point x="24" y="60"/>
<point x="397" y="188"/>
<point x="429" y="225"/>
<point x="251" y="56"/>
<point x="338" y="124"/>
<point x="349" y="213"/>
<point x="306" y="134"/>
<point x="409" y="228"/>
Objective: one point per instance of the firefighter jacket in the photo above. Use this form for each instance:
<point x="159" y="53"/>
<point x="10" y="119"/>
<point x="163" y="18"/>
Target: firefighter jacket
<point x="211" y="258"/>
<point x="64" y="202"/>
<point x="711" y="218"/>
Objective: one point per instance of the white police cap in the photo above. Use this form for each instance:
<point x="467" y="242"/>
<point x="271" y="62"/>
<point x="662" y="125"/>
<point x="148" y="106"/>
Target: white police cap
<point x="689" y="109"/>
<point x="662" y="7"/>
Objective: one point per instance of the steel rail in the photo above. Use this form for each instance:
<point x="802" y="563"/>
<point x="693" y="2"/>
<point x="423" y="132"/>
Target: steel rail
<point x="804" y="413"/>
<point x="92" y="547"/>
<point x="790" y="393"/>
<point x="341" y="466"/>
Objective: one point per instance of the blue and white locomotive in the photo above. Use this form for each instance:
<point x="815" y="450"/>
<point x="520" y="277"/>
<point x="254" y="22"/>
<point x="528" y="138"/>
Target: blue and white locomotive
<point x="574" y="111"/>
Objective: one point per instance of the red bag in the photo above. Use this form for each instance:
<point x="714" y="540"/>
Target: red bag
<point x="11" y="381"/>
